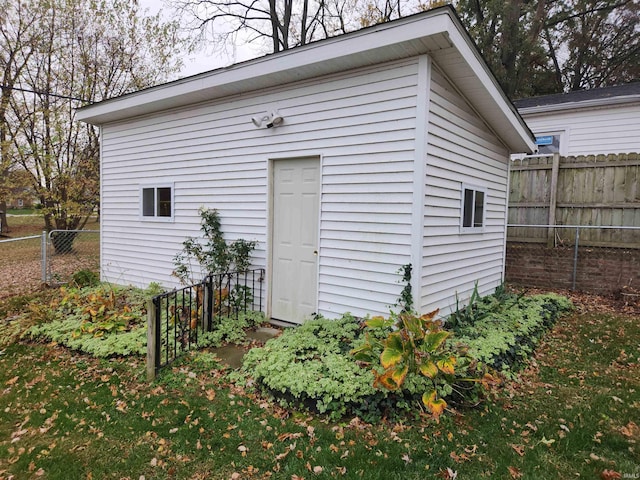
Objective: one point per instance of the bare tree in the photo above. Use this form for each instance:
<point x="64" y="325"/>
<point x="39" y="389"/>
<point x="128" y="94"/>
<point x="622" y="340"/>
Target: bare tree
<point x="78" y="52"/>
<point x="17" y="32"/>
<point x="276" y="25"/>
<point x="600" y="41"/>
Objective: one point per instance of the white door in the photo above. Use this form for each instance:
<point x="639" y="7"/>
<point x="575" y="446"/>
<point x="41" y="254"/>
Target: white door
<point x="294" y="246"/>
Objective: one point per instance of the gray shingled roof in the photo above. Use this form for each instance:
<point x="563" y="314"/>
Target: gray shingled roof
<point x="625" y="90"/>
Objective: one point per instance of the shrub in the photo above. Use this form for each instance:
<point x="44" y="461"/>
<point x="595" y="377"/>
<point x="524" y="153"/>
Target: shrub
<point x="85" y="278"/>
<point x="109" y="320"/>
<point x="414" y="348"/>
<point x="212" y="254"/>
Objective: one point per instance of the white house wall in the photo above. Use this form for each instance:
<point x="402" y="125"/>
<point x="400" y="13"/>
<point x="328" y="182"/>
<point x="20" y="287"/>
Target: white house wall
<point x="461" y="149"/>
<point x="591" y="131"/>
<point x="362" y="126"/>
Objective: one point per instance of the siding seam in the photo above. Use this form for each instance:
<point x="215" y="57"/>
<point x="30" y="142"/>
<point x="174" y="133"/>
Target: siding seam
<point x="419" y="171"/>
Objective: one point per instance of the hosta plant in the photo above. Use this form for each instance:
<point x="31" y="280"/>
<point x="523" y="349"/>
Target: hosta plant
<point x="415" y="346"/>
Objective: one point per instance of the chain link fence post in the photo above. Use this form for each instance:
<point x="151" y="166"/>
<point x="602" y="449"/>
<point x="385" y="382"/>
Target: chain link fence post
<point x="575" y="259"/>
<point x="43" y="249"/>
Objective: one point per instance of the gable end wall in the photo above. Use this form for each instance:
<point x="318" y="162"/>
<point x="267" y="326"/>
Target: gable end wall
<point x="460" y="149"/>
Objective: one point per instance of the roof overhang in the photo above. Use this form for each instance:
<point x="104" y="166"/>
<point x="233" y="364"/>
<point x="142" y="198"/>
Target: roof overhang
<point x="438" y="33"/>
<point x="595" y="103"/>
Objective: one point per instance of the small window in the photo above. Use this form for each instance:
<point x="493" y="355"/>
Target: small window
<point x="157" y="202"/>
<point x="473" y="201"/>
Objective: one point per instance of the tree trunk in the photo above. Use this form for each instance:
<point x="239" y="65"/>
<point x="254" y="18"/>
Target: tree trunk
<point x="4" y="226"/>
<point x="63" y="241"/>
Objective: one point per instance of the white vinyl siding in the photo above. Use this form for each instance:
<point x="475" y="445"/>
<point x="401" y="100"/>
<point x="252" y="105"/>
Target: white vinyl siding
<point x="592" y="131"/>
<point x="361" y="124"/>
<point x="461" y="151"/>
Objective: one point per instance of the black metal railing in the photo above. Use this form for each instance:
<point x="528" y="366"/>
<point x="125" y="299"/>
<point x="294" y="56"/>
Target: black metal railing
<point x="181" y="316"/>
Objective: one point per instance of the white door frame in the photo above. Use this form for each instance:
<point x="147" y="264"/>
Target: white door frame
<point x="270" y="224"/>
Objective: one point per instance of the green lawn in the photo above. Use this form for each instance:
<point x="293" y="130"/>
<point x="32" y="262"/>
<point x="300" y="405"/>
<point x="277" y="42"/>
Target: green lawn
<point x="22" y="211"/>
<point x="574" y="413"/>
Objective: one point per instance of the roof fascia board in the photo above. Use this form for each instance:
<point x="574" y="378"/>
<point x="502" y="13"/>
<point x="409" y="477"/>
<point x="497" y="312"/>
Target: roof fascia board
<point x="203" y="86"/>
<point x="569" y="106"/>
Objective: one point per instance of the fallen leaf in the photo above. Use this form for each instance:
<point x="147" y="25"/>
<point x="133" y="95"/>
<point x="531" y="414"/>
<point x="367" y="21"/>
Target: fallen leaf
<point x="318" y="469"/>
<point x="449" y="474"/>
<point x="519" y="449"/>
<point x="514" y="472"/>
<point x="630" y="430"/>
<point x="610" y="475"/>
<point x="12" y="381"/>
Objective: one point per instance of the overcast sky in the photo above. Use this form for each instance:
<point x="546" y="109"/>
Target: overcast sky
<point x="202" y="61"/>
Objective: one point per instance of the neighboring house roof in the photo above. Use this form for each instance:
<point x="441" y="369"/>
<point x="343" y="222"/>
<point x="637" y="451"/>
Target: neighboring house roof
<point x="438" y="33"/>
<point x="595" y="97"/>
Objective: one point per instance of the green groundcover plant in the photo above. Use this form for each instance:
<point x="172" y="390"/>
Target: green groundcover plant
<point x="377" y="368"/>
<point x="105" y="320"/>
<point x="102" y="320"/>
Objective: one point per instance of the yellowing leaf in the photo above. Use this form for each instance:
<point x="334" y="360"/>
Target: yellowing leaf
<point x="435" y="406"/>
<point x="386" y="380"/>
<point x="428" y="369"/>
<point x="392" y="354"/>
<point x="447" y="365"/>
<point x="434" y="339"/>
<point x="375" y="322"/>
<point x="399" y="373"/>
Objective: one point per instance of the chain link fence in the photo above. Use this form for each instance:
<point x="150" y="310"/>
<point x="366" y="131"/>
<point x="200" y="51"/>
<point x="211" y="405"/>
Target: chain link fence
<point x="69" y="251"/>
<point x="595" y="259"/>
<point x="50" y="258"/>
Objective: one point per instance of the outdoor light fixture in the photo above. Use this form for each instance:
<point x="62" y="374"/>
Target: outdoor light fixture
<point x="272" y="119"/>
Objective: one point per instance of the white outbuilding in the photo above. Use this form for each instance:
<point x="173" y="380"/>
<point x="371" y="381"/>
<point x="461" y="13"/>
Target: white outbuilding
<point x="599" y="121"/>
<point x="345" y="159"/>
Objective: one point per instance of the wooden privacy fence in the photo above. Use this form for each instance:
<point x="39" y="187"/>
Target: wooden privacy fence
<point x="598" y="190"/>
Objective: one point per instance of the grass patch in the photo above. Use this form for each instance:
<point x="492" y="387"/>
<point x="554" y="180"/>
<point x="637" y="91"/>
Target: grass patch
<point x="571" y="414"/>
<point x="23" y="211"/>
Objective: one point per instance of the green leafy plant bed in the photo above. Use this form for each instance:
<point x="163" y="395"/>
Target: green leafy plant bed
<point x="406" y="364"/>
<point x="500" y="331"/>
<point x="310" y="366"/>
<point x="101" y="320"/>
<point x="105" y="320"/>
